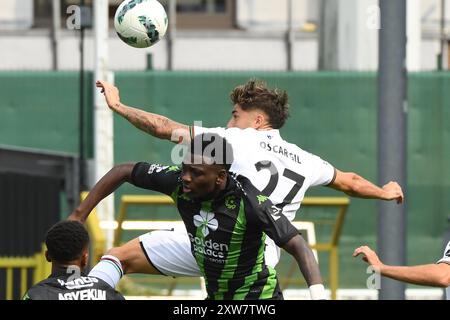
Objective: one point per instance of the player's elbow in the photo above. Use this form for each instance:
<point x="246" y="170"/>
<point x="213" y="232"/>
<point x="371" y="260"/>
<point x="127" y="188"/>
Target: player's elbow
<point x="444" y="279"/>
<point x="123" y="171"/>
<point x="163" y="128"/>
<point x="295" y="246"/>
<point x="161" y="132"/>
<point x="302" y="252"/>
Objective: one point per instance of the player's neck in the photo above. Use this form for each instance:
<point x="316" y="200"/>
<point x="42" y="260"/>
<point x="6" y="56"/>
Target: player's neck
<point x="62" y="266"/>
<point x="264" y="127"/>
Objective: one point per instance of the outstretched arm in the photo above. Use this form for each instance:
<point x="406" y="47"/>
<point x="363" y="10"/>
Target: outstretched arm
<point x="154" y="124"/>
<point x="105" y="186"/>
<point x="436" y="275"/>
<point x="356" y="186"/>
<point x="307" y="263"/>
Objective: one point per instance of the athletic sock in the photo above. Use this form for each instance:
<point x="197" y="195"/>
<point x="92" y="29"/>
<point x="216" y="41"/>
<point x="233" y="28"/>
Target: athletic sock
<point x="109" y="269"/>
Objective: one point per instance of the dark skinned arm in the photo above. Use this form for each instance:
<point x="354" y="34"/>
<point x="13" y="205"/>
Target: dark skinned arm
<point x="104" y="187"/>
<point x="306" y="261"/>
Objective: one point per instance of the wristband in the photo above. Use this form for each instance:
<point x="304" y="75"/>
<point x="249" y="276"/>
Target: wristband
<point x="317" y="292"/>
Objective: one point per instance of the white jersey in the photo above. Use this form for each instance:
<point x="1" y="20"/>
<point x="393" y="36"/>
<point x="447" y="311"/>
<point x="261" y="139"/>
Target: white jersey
<point x="446" y="259"/>
<point x="279" y="169"/>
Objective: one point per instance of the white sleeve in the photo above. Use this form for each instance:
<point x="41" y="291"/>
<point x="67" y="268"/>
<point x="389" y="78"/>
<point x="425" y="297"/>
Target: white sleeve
<point x="195" y="130"/>
<point x="446" y="257"/>
<point x="323" y="173"/>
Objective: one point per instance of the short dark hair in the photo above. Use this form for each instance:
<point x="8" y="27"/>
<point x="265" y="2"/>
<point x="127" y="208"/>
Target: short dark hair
<point x="255" y="95"/>
<point x="66" y="240"/>
<point x="214" y="147"/>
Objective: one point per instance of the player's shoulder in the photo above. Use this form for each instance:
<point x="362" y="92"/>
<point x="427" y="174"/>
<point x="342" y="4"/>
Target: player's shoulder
<point x="446" y="256"/>
<point x="297" y="148"/>
<point x="243" y="184"/>
<point x="198" y="130"/>
<point x="251" y="195"/>
<point x="241" y="130"/>
<point x="242" y="133"/>
<point x="164" y="168"/>
<point x="447" y="251"/>
<point x="154" y="168"/>
<point x="39" y="291"/>
<point x="256" y="204"/>
<point x="305" y="155"/>
<point x="231" y="130"/>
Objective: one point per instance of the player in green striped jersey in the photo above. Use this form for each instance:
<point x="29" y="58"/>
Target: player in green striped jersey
<point x="226" y="217"/>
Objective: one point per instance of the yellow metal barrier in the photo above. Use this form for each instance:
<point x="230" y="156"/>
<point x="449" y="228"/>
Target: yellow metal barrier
<point x="42" y="269"/>
<point x="98" y="239"/>
<point x="128" y="200"/>
<point x="331" y="247"/>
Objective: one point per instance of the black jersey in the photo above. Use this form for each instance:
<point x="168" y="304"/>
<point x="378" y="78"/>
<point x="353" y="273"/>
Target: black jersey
<point x="61" y="285"/>
<point x="227" y="233"/>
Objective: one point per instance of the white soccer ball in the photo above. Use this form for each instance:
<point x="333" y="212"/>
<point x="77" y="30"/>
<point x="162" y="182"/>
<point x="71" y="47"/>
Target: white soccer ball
<point x="141" y="23"/>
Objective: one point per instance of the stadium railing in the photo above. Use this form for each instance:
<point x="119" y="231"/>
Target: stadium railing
<point x="40" y="266"/>
<point x="331" y="246"/>
<point x="98" y="238"/>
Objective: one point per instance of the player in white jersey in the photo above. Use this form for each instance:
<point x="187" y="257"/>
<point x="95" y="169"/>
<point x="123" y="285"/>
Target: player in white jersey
<point x="281" y="170"/>
<point x="436" y="275"/>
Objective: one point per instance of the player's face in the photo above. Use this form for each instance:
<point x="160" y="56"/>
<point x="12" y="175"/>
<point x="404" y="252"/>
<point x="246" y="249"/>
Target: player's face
<point x="200" y="180"/>
<point x="243" y="119"/>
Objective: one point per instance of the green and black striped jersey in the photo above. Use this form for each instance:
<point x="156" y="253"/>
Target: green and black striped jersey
<point x="227" y="233"/>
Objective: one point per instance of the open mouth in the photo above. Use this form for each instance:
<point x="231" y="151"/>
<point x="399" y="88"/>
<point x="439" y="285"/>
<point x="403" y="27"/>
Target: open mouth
<point x="186" y="189"/>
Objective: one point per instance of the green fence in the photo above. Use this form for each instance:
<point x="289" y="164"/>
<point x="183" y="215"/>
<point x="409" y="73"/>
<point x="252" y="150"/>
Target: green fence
<point x="332" y="115"/>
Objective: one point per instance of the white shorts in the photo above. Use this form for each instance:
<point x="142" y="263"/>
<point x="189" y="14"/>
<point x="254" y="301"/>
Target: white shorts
<point x="170" y="253"/>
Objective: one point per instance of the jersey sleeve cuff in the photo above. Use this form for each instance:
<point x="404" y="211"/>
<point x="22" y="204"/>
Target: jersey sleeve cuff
<point x="334" y="177"/>
<point x="134" y="172"/>
<point x="288" y="236"/>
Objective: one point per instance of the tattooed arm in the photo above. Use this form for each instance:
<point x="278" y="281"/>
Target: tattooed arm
<point x="154" y="124"/>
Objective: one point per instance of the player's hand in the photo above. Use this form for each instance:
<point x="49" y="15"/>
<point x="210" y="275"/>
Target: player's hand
<point x="111" y="93"/>
<point x="393" y="191"/>
<point x="369" y="256"/>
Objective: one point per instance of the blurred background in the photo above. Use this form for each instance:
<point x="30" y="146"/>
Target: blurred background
<point x="57" y="137"/>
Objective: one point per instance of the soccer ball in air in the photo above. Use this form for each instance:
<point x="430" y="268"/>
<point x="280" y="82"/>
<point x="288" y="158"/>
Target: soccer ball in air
<point x="140" y="23"/>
